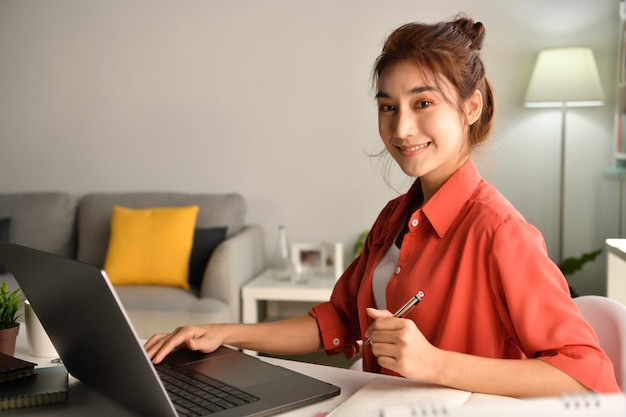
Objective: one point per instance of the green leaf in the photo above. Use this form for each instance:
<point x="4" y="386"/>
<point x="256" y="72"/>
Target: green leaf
<point x="570" y="265"/>
<point x="10" y="303"/>
<point x="360" y="243"/>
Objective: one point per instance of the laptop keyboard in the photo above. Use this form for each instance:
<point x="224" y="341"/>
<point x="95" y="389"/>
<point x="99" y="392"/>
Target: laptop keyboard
<point x="197" y="395"/>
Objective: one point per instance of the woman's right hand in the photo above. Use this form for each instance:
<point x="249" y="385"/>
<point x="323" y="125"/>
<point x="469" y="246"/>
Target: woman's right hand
<point x="203" y="338"/>
<point x="296" y="335"/>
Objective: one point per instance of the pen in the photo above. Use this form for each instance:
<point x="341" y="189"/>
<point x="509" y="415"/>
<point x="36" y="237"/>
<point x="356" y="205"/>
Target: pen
<point x="413" y="301"/>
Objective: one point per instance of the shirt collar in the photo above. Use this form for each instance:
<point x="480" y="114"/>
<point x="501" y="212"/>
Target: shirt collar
<point x="445" y="205"/>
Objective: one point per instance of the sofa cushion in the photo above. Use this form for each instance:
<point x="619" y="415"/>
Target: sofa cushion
<point x="205" y="240"/>
<point x="157" y="309"/>
<point x="42" y="220"/>
<point x="151" y="246"/>
<point x="94" y="215"/>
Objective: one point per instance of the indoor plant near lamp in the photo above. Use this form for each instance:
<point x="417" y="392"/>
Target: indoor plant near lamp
<point x="10" y="303"/>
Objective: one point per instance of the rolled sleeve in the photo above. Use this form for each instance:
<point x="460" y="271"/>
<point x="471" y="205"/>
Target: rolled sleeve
<point x="336" y="337"/>
<point x="586" y="364"/>
<point x="544" y="318"/>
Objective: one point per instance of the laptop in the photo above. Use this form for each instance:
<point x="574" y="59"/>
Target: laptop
<point x="80" y="311"/>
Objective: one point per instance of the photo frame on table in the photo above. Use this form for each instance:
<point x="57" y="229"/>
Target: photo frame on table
<point x="307" y="258"/>
<point x="322" y="259"/>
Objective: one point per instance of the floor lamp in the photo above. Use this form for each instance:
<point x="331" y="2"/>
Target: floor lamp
<point x="564" y="77"/>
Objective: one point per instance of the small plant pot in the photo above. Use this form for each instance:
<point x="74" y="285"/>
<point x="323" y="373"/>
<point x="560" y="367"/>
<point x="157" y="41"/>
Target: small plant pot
<point x="7" y="340"/>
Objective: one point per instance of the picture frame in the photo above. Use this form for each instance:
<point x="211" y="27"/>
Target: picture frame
<point x="307" y="258"/>
<point x="322" y="259"/>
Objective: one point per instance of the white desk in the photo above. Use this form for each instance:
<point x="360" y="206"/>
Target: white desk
<point x="83" y="401"/>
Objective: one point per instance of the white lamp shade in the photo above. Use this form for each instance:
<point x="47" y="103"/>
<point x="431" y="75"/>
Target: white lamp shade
<point x="565" y="77"/>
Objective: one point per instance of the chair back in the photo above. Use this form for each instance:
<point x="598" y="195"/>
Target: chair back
<point x="608" y="319"/>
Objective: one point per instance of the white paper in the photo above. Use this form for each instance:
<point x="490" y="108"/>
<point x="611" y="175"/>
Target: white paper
<point x="394" y="396"/>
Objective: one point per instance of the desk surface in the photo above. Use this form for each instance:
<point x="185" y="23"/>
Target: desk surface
<point x="83" y="401"/>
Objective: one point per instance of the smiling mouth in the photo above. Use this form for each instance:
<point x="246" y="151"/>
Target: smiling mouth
<point x="414" y="148"/>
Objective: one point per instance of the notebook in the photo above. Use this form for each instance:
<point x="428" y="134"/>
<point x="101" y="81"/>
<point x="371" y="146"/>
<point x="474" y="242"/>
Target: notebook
<point x="399" y="397"/>
<point x="575" y="405"/>
<point x="12" y="368"/>
<point x="47" y="386"/>
<point x="89" y="328"/>
<point x="384" y="396"/>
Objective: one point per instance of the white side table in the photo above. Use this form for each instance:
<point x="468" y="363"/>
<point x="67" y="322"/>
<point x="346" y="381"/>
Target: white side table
<point x="616" y="269"/>
<point x="264" y="287"/>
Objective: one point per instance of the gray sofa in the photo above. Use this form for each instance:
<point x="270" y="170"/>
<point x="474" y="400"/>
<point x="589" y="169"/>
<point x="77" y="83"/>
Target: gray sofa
<point x="78" y="227"/>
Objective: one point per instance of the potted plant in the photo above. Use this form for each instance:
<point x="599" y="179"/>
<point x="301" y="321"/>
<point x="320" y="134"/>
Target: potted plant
<point x="570" y="265"/>
<point x="10" y="304"/>
<point x="360" y="243"/>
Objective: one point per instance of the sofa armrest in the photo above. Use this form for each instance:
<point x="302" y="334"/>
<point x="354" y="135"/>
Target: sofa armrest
<point x="233" y="263"/>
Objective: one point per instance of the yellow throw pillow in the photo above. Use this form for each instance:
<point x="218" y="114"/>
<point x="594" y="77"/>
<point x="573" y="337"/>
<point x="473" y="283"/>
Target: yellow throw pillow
<point x="150" y="246"/>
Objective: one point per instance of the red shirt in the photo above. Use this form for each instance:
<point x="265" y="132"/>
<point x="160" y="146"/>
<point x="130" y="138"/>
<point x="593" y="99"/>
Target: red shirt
<point x="490" y="288"/>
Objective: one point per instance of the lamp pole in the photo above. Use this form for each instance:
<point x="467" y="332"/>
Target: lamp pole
<point x="562" y="184"/>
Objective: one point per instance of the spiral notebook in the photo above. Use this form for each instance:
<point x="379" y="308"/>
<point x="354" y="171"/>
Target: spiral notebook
<point x="583" y="405"/>
<point x="12" y="368"/>
<point x="399" y="397"/>
<point x="47" y="386"/>
<point x="396" y="394"/>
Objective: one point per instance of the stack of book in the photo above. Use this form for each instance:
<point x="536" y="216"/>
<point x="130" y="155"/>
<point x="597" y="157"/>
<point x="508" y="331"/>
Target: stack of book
<point x="22" y="385"/>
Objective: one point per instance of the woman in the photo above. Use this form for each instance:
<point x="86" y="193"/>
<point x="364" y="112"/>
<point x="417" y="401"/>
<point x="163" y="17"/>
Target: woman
<point x="496" y="316"/>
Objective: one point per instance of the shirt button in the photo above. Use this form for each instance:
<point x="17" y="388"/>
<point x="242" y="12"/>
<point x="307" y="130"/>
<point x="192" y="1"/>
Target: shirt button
<point x="398" y="269"/>
<point x="336" y="341"/>
<point x="414" y="222"/>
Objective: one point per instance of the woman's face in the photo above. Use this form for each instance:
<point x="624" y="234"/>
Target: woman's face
<point x="425" y="134"/>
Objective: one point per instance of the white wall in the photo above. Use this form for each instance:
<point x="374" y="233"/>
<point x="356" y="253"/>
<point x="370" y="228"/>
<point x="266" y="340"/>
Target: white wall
<point x="271" y="99"/>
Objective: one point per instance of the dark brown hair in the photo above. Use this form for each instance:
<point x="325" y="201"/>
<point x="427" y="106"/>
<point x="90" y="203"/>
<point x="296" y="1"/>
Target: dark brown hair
<point x="446" y="49"/>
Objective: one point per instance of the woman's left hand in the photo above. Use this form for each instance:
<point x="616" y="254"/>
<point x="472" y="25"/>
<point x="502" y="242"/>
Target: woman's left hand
<point x="401" y="347"/>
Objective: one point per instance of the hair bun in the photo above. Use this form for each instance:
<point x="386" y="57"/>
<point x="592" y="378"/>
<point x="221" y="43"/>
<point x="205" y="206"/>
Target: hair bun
<point x="474" y="31"/>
